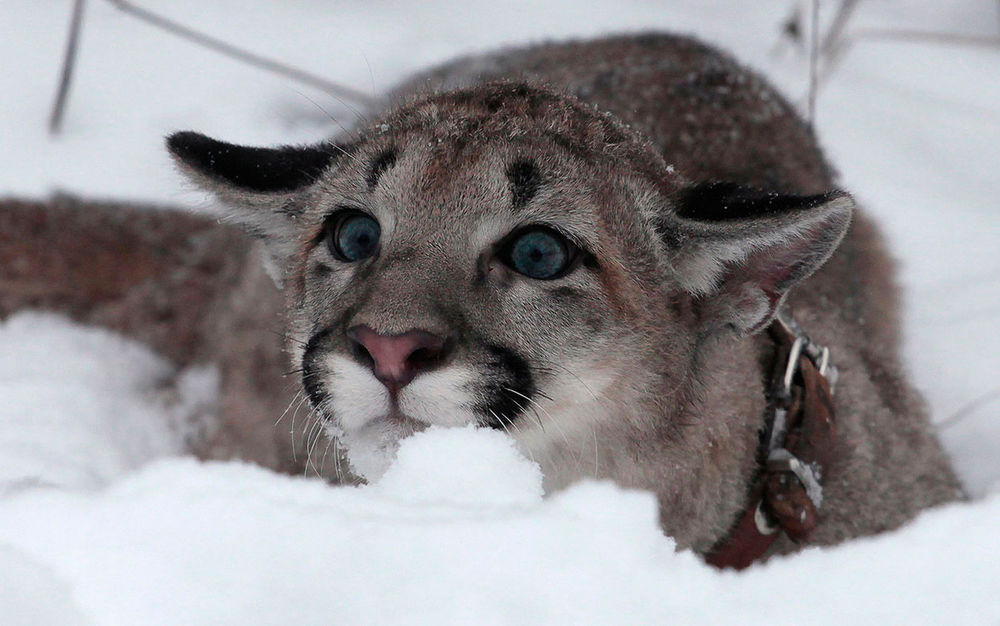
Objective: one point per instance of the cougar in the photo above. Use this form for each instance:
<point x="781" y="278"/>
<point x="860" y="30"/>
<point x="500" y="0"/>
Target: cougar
<point x="582" y="244"/>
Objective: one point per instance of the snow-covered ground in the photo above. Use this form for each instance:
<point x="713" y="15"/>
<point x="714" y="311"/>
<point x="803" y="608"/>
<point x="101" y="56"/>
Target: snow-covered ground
<point x="90" y="534"/>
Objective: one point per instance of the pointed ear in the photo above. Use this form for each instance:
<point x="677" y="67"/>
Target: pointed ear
<point x="258" y="185"/>
<point x="742" y="249"/>
<point x="256" y="170"/>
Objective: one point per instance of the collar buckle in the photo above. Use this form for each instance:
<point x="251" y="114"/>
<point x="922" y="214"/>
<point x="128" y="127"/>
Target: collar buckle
<point x="787" y="493"/>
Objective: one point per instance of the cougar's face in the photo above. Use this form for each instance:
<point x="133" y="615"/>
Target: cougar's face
<point x="442" y="283"/>
<point x="509" y="257"/>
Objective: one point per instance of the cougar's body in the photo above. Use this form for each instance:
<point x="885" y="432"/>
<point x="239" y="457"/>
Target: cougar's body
<point x="580" y="244"/>
<point x="188" y="287"/>
<point x="713" y="120"/>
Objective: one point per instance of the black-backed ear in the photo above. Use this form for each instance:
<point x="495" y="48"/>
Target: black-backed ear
<point x="259" y="186"/>
<point x="741" y="249"/>
<point x="262" y="170"/>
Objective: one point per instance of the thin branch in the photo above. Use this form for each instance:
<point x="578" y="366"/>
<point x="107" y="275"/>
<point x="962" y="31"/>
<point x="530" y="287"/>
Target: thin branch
<point x="968" y="409"/>
<point x="887" y="34"/>
<point x="813" y="61"/>
<point x="906" y="36"/>
<point x="246" y="56"/>
<point x="69" y="62"/>
<point x="835" y="32"/>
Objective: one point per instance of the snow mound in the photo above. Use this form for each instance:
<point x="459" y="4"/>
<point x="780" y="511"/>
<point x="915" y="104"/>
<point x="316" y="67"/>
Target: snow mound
<point x="460" y="466"/>
<point x="31" y="594"/>
<point x="83" y="405"/>
<point x="183" y="542"/>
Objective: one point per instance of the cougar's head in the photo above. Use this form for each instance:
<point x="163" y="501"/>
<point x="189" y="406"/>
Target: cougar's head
<point x="509" y="257"/>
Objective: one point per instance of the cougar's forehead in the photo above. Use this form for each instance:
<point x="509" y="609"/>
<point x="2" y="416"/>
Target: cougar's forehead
<point x="462" y="194"/>
<point x="519" y="110"/>
<point x="467" y="152"/>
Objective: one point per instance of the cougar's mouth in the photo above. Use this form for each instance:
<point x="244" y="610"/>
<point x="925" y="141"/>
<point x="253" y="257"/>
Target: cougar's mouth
<point x="497" y="390"/>
<point x="370" y="417"/>
<point x="396" y="418"/>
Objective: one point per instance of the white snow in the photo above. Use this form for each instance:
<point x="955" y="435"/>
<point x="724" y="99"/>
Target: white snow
<point x="183" y="543"/>
<point x="425" y="471"/>
<point x="94" y="529"/>
<point x="32" y="594"/>
<point x="82" y="406"/>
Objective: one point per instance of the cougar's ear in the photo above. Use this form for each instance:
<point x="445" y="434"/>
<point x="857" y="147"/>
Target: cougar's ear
<point x="258" y="185"/>
<point x="249" y="170"/>
<point x="740" y="249"/>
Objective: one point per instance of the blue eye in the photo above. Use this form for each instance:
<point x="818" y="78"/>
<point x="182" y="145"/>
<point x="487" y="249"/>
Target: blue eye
<point x="353" y="236"/>
<point x="539" y="252"/>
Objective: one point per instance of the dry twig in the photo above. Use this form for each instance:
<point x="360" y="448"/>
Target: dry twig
<point x="813" y="61"/>
<point x="968" y="409"/>
<point x="69" y="62"/>
<point x="206" y="41"/>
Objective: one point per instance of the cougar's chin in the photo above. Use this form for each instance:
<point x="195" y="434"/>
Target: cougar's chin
<point x="370" y="422"/>
<point x="372" y="448"/>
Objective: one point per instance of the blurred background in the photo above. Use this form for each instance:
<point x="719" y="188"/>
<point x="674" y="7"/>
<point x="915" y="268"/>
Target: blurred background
<point x="907" y="105"/>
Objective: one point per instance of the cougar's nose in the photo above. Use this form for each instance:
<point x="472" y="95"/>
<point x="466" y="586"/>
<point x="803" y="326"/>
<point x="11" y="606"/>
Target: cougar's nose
<point x="396" y="359"/>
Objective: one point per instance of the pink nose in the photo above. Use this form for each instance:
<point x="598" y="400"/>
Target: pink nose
<point x="396" y="359"/>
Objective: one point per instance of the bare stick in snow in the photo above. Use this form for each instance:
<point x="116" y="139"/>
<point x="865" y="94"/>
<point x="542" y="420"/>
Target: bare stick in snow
<point x="968" y="409"/>
<point x="246" y="56"/>
<point x="69" y="62"/>
<point x="835" y="34"/>
<point x="905" y="36"/>
<point x="59" y="106"/>
<point x="813" y="61"/>
<point x="886" y="34"/>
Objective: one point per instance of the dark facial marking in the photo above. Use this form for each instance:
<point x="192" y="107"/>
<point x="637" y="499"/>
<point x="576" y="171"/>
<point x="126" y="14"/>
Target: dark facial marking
<point x="509" y="389"/>
<point x="493" y="103"/>
<point x="525" y="179"/>
<point x="323" y="269"/>
<point x="725" y="202"/>
<point x="291" y="209"/>
<point x="311" y="374"/>
<point x="568" y="295"/>
<point x="256" y="169"/>
<point x="255" y="232"/>
<point x="382" y="162"/>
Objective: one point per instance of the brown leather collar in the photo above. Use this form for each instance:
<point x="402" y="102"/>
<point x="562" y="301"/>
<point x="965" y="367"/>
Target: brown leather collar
<point x="796" y="446"/>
